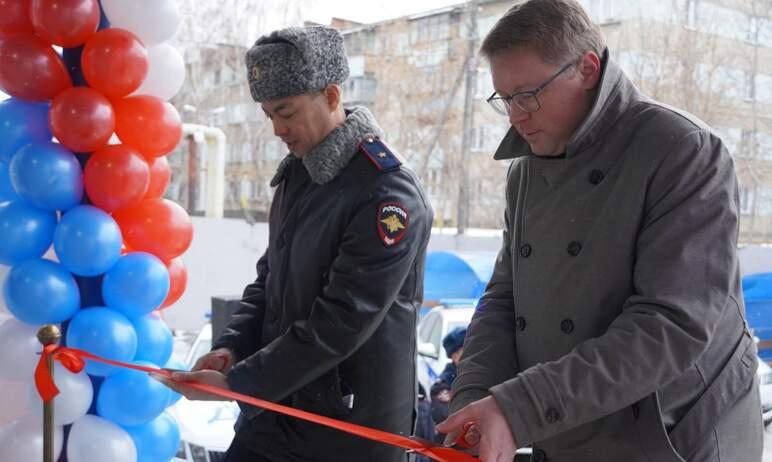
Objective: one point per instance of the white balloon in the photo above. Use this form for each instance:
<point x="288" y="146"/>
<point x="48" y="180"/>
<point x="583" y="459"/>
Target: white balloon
<point x="94" y="439"/>
<point x="166" y="72"/>
<point x="22" y="440"/>
<point x="13" y="406"/>
<point x="153" y="21"/>
<point x="19" y="348"/>
<point x="74" y="398"/>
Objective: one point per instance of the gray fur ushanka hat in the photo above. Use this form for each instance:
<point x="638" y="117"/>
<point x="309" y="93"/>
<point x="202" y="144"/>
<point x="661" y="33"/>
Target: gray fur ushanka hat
<point x="294" y="61"/>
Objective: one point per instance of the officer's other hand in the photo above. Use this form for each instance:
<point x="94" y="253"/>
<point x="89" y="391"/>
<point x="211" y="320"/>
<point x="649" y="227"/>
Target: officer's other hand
<point x="220" y="360"/>
<point x="485" y="431"/>
<point x="179" y="382"/>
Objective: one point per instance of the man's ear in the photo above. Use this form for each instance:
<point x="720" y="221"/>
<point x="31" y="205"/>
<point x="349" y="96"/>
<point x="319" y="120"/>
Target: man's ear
<point x="332" y="94"/>
<point x="589" y="68"/>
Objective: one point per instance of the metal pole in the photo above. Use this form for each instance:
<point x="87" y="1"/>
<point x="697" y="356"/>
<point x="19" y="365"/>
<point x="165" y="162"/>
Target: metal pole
<point x="464" y="193"/>
<point x="49" y="335"/>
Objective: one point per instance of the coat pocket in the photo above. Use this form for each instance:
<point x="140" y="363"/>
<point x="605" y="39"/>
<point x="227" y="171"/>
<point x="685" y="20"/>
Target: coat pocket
<point x="733" y="382"/>
<point x="328" y="396"/>
<point x="652" y="435"/>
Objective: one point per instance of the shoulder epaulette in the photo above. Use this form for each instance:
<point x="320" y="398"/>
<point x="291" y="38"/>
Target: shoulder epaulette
<point x="380" y="155"/>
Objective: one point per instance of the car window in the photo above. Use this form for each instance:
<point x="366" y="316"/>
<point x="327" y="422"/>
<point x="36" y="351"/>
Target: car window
<point x="436" y="336"/>
<point x="429" y="323"/>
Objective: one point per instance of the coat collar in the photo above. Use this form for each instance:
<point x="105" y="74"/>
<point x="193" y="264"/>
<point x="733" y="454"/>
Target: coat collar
<point x="615" y="93"/>
<point x="328" y="158"/>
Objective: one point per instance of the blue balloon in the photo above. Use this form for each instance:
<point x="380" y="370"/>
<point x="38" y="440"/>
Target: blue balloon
<point x="41" y="292"/>
<point x="21" y="123"/>
<point x="154" y="339"/>
<point x="103" y="332"/>
<point x="7" y="193"/>
<point x="27" y="232"/>
<point x="156" y="440"/>
<point x="48" y="176"/>
<point x="132" y="397"/>
<point x="136" y="285"/>
<point x="88" y="241"/>
<point x="175" y="364"/>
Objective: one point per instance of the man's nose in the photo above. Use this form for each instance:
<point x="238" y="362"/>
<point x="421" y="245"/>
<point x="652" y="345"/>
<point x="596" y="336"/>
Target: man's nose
<point x="517" y="115"/>
<point x="279" y="129"/>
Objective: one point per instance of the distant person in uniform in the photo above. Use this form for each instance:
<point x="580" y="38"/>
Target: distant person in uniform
<point x="329" y="326"/>
<point x="613" y="328"/>
<point x="453" y="344"/>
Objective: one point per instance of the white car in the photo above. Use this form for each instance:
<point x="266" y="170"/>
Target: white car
<point x="432" y="328"/>
<point x="206" y="427"/>
<point x="765" y="390"/>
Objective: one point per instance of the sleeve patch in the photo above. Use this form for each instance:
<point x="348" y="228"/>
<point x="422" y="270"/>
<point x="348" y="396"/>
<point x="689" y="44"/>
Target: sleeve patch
<point x="392" y="222"/>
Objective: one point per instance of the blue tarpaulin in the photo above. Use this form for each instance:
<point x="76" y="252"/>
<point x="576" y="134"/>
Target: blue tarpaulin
<point x="461" y="275"/>
<point x="757" y="292"/>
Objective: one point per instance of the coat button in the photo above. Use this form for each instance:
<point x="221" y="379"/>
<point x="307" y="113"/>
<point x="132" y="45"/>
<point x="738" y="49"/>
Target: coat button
<point x="567" y="326"/>
<point x="520" y="323"/>
<point x="596" y="176"/>
<point x="552" y="415"/>
<point x="538" y="455"/>
<point x="525" y="250"/>
<point x="574" y="248"/>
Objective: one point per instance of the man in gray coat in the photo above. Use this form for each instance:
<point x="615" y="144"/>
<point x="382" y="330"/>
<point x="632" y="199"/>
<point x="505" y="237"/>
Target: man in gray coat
<point x="613" y="328"/>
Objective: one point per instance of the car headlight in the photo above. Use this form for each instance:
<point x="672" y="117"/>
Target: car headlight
<point x="198" y="453"/>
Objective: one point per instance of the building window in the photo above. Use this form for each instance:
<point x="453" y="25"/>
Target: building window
<point x="750" y="86"/>
<point x="692" y="12"/>
<point x="746" y="201"/>
<point x="748" y="143"/>
<point x="754" y="25"/>
<point x="603" y="11"/>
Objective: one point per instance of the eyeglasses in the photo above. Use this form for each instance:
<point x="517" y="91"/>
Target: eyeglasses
<point x="527" y="101"/>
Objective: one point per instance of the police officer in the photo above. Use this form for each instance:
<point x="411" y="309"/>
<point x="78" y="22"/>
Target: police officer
<point x="329" y="324"/>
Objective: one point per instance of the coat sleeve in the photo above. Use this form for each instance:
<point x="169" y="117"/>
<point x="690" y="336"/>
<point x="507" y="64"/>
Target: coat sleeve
<point x="364" y="281"/>
<point x="243" y="332"/>
<point x="683" y="277"/>
<point x="489" y="356"/>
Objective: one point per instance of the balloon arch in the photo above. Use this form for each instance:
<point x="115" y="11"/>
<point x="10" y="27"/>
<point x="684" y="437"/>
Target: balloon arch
<point x="90" y="241"/>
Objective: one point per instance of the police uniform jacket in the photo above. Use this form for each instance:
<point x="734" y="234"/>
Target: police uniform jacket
<point x="329" y="324"/>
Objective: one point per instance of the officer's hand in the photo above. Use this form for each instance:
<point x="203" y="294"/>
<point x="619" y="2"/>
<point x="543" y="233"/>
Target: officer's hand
<point x="220" y="360"/>
<point x="209" y="377"/>
<point x="489" y="431"/>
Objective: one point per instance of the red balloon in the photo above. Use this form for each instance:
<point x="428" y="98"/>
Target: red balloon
<point x="156" y="226"/>
<point x="30" y="69"/>
<point x="116" y="176"/>
<point x="148" y="124"/>
<point x="178" y="275"/>
<point x="14" y="18"/>
<point x="160" y="175"/>
<point x="82" y="119"/>
<point x="67" y="23"/>
<point x="114" y="61"/>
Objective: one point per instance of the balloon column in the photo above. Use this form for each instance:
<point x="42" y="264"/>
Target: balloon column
<point x="116" y="242"/>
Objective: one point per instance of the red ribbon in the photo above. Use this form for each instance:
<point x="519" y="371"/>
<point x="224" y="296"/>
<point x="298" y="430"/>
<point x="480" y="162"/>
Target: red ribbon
<point x="74" y="360"/>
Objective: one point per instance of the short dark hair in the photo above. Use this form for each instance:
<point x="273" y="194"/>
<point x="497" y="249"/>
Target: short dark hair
<point x="558" y="30"/>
